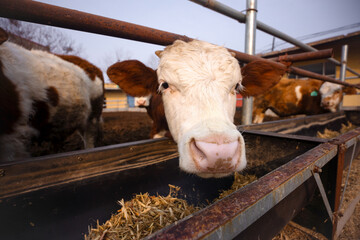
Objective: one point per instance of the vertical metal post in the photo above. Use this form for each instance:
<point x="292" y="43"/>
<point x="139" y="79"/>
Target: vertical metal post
<point x="250" y="30"/>
<point x="344" y="55"/>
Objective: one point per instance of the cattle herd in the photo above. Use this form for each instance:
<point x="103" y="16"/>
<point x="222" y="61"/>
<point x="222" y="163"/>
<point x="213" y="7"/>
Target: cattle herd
<point x="190" y="97"/>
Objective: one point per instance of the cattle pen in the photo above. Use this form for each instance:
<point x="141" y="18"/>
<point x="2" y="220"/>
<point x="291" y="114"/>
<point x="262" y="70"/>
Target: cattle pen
<point x="61" y="192"/>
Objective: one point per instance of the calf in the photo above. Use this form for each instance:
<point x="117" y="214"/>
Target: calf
<point x="296" y="96"/>
<point x="198" y="82"/>
<point x="332" y="95"/>
<point x="155" y="109"/>
<point x="289" y="97"/>
<point x="46" y="97"/>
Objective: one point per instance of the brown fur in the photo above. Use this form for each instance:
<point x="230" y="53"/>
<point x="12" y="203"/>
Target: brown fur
<point x="90" y="69"/>
<point x="9" y="104"/>
<point x="3" y="36"/>
<point x="137" y="80"/>
<point x="157" y="114"/>
<point x="349" y="90"/>
<point x="282" y="100"/>
<point x="40" y="115"/>
<point x="133" y="77"/>
<point x="53" y="96"/>
<point x="258" y="76"/>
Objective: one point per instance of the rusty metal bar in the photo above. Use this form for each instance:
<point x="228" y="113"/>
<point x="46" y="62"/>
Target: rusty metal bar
<point x="305" y="73"/>
<point x="339" y="176"/>
<point x="344" y="143"/>
<point x="47" y="14"/>
<point x="321" y="54"/>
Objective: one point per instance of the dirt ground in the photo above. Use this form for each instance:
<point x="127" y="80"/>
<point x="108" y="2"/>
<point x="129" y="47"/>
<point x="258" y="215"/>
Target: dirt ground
<point x="121" y="127"/>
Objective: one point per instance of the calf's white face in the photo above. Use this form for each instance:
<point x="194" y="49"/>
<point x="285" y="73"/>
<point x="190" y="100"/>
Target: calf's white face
<point x="331" y="96"/>
<point x="198" y="82"/>
<point x="143" y="101"/>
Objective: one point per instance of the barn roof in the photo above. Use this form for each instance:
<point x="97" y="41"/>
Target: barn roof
<point x="313" y="44"/>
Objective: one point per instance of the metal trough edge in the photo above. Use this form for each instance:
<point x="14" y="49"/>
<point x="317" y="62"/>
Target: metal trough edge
<point x="58" y="169"/>
<point x="228" y="217"/>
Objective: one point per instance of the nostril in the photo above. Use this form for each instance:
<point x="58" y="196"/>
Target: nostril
<point x="197" y="151"/>
<point x="215" y="156"/>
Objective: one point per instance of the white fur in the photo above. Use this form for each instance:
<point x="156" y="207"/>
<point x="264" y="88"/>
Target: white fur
<point x="200" y="100"/>
<point x="32" y="72"/>
<point x="331" y="96"/>
<point x="143" y="101"/>
<point x="160" y="134"/>
<point x="298" y="94"/>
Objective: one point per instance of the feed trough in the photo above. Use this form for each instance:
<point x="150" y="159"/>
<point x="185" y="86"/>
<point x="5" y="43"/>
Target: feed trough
<point x="59" y="196"/>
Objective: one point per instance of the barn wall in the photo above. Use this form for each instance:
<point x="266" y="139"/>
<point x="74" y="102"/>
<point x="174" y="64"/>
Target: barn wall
<point x="115" y="98"/>
<point x="336" y="43"/>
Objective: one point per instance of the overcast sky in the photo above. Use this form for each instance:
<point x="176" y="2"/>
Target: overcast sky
<point x="296" y="18"/>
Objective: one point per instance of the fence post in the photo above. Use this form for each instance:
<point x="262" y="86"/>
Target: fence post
<point x="250" y="34"/>
<point x="344" y="56"/>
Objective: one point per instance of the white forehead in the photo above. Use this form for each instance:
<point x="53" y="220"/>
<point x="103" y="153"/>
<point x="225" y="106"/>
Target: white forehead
<point x="189" y="63"/>
<point x="328" y="88"/>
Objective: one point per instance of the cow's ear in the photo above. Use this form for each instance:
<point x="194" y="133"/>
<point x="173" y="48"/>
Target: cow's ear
<point x="133" y="77"/>
<point x="349" y="90"/>
<point x="3" y="36"/>
<point x="259" y="76"/>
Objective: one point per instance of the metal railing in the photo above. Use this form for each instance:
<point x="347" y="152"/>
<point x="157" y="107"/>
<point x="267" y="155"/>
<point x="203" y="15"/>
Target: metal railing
<point x="234" y="14"/>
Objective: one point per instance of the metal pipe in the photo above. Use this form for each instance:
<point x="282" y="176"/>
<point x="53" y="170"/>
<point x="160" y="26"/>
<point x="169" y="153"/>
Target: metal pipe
<point x="250" y="36"/>
<point x="47" y="14"/>
<point x="232" y="13"/>
<point x="323" y="194"/>
<point x="305" y="73"/>
<point x="249" y="58"/>
<point x="321" y="54"/>
<point x="344" y="56"/>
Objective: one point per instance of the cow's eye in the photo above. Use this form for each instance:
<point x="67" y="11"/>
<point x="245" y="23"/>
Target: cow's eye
<point x="164" y="85"/>
<point x="238" y="88"/>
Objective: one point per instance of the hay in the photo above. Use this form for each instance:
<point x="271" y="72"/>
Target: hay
<point x="328" y="134"/>
<point x="142" y="216"/>
<point x="239" y="182"/>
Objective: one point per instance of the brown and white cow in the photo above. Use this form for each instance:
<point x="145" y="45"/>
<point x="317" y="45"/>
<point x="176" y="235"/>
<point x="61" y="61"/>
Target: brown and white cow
<point x="299" y="96"/>
<point x="289" y="97"/>
<point x="198" y="82"/>
<point x="45" y="96"/>
<point x="155" y="108"/>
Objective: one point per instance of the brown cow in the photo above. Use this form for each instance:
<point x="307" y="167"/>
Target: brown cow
<point x="297" y="96"/>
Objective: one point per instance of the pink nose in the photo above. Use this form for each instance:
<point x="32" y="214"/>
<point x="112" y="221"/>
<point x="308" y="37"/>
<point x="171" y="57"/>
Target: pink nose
<point x="215" y="156"/>
<point x="141" y="102"/>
